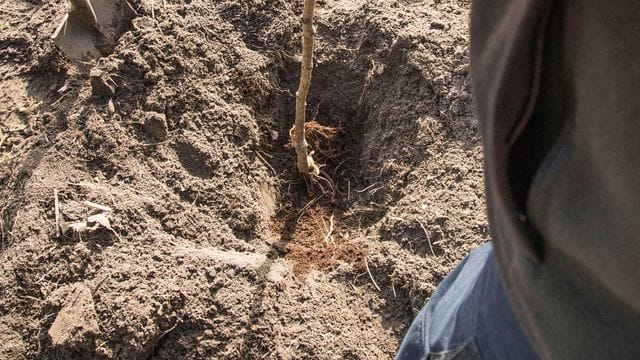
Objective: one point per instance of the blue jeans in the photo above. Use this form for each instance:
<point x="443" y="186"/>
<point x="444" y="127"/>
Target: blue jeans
<point x="468" y="317"/>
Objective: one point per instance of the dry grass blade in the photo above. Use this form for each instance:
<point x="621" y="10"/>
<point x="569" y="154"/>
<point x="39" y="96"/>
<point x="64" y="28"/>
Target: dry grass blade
<point x="56" y="207"/>
<point x="428" y="239"/>
<point x="328" y="236"/>
<point x="2" y="229"/>
<point x="366" y="265"/>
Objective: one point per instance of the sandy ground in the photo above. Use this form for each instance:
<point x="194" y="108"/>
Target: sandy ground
<point x="218" y="248"/>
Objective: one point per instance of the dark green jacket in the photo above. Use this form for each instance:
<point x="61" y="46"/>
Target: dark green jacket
<point x="557" y="89"/>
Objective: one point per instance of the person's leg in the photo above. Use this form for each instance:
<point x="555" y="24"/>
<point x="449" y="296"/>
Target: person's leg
<point x="468" y="317"/>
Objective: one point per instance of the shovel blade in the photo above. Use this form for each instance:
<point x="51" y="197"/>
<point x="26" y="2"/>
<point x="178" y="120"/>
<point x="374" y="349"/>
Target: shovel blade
<point x="91" y="28"/>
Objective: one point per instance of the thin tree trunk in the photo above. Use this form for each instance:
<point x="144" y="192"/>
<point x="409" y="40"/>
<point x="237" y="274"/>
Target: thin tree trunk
<point x="303" y="89"/>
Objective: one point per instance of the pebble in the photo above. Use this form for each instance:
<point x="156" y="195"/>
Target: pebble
<point x="437" y="25"/>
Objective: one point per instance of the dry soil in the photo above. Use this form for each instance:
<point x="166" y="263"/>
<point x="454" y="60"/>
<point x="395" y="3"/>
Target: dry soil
<point x="219" y="249"/>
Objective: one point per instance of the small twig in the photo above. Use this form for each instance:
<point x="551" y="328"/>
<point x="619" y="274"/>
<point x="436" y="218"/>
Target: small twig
<point x="55" y="103"/>
<point x="156" y="143"/>
<point x="116" y="234"/>
<point x="56" y="209"/>
<point x="2" y="229"/>
<point x="348" y="190"/>
<point x="46" y="274"/>
<point x="427" y="235"/>
<point x="367" y="188"/>
<point x="167" y="331"/>
<point x="322" y="227"/>
<point x="366" y="265"/>
<point x="308" y="206"/>
<point x="31" y="298"/>
<point x="265" y="154"/>
<point x="267" y="163"/>
<point x="85" y="184"/>
<point x="335" y="171"/>
<point x="153" y="13"/>
<point x="96" y="206"/>
<point x="46" y="318"/>
<point x="393" y="288"/>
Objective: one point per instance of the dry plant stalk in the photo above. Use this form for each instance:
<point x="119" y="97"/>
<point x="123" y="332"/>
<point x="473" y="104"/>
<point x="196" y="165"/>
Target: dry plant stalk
<point x="305" y="162"/>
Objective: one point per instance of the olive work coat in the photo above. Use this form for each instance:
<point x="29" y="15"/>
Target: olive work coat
<point x="557" y="91"/>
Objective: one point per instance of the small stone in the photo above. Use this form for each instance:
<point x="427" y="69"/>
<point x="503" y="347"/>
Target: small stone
<point x="437" y="25"/>
<point x="110" y="107"/>
<point x="99" y="84"/>
<point x="155" y="124"/>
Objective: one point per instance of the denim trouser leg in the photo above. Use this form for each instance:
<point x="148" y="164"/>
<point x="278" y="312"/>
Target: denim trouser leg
<point x="468" y="317"/>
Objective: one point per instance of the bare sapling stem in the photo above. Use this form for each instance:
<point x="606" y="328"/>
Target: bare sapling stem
<point x="305" y="161"/>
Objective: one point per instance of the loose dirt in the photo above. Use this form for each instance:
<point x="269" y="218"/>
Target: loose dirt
<point x="219" y="248"/>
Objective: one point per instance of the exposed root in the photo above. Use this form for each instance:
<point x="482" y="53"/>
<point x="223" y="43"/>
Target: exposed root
<point x="318" y="138"/>
<point x="314" y="169"/>
<point x="321" y="181"/>
<point x="328" y="236"/>
<point x="314" y="128"/>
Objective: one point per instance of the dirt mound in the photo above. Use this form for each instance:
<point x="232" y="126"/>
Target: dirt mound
<point x="219" y="249"/>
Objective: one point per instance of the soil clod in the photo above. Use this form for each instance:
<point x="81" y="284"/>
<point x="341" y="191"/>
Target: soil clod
<point x="100" y="85"/>
<point x="155" y="124"/>
<point x="76" y="324"/>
